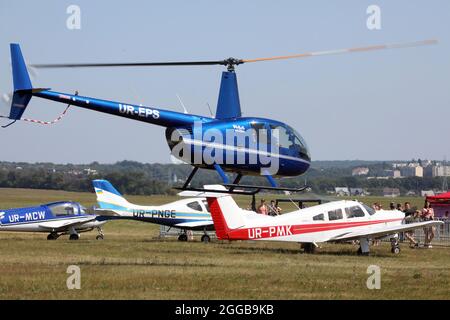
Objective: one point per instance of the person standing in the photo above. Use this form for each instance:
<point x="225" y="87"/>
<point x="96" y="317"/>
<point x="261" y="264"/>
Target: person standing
<point x="407" y="209"/>
<point x="262" y="209"/>
<point x="427" y="215"/>
<point x="273" y="208"/>
<point x="410" y="234"/>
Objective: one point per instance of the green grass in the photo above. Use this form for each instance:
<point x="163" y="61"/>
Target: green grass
<point x="132" y="263"/>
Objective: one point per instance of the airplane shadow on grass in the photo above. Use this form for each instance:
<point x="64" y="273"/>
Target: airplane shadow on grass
<point x="350" y="251"/>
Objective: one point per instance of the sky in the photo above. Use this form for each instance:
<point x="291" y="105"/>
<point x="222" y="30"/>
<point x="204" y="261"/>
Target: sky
<point x="385" y="105"/>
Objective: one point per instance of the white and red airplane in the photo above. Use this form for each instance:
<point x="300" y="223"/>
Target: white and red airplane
<point x="333" y="221"/>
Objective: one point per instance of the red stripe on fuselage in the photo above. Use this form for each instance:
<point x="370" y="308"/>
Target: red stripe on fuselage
<point x="288" y="230"/>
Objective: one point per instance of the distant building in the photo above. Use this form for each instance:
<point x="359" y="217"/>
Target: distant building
<point x="360" y="171"/>
<point x="90" y="172"/>
<point x="342" y="191"/>
<point x="391" y="192"/>
<point x="392" y="173"/>
<point x="411" y="171"/>
<point x="357" y="192"/>
<point x="437" y="171"/>
<point x="427" y="193"/>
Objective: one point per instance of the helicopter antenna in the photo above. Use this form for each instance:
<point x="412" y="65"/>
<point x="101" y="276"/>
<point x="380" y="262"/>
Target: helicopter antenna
<point x="210" y="111"/>
<point x="182" y="104"/>
<point x="137" y="96"/>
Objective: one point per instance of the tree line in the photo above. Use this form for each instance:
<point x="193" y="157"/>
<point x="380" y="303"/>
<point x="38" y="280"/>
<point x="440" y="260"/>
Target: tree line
<point x="144" y="179"/>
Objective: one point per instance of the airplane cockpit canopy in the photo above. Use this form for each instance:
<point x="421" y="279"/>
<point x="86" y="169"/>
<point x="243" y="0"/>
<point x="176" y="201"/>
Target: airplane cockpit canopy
<point x="66" y="208"/>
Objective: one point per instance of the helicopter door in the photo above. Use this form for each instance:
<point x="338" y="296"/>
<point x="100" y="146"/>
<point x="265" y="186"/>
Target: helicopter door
<point x="262" y="136"/>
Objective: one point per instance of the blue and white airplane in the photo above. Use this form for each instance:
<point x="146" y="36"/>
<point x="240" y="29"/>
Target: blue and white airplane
<point x="56" y="219"/>
<point x="185" y="214"/>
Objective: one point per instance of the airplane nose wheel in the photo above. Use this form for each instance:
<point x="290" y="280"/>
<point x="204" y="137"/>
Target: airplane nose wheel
<point x="100" y="235"/>
<point x="395" y="247"/>
<point x="52" y="236"/>
<point x="183" y="237"/>
<point x="206" y="238"/>
<point x="395" y="250"/>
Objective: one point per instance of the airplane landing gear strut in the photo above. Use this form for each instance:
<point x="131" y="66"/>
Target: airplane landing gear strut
<point x="100" y="235"/>
<point x="363" y="247"/>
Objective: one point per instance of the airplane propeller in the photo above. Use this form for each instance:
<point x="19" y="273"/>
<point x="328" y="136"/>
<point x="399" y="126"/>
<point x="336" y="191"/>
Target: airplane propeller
<point x="231" y="62"/>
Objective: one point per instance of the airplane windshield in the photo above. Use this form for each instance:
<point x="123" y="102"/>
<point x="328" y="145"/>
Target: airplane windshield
<point x="65" y="209"/>
<point x="369" y="210"/>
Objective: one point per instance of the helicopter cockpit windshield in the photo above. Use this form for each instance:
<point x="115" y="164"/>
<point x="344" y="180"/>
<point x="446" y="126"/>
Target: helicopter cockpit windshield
<point x="66" y="209"/>
<point x="290" y="139"/>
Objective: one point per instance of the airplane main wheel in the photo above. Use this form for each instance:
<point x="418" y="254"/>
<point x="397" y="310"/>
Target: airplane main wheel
<point x="99" y="237"/>
<point x="182" y="237"/>
<point x="206" y="238"/>
<point x="74" y="237"/>
<point x="52" y="236"/>
<point x="309" y="248"/>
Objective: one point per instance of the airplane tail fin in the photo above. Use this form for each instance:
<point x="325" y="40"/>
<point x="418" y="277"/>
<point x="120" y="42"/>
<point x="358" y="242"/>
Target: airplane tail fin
<point x="108" y="197"/>
<point x="225" y="213"/>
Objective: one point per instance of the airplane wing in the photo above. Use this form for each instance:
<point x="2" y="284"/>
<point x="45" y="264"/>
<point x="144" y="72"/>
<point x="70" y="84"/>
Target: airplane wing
<point x="194" y="224"/>
<point x="380" y="232"/>
<point x="65" y="223"/>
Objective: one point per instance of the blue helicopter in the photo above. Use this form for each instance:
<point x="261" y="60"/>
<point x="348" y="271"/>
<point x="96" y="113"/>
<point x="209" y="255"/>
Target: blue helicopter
<point x="227" y="142"/>
<point x="56" y="219"/>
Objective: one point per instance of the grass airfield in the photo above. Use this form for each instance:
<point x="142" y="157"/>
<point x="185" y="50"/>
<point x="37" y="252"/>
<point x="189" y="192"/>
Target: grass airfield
<point x="132" y="263"/>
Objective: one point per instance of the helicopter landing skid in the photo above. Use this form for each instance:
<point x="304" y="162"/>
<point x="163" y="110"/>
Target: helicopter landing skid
<point x="260" y="188"/>
<point x="241" y="192"/>
<point x="242" y="189"/>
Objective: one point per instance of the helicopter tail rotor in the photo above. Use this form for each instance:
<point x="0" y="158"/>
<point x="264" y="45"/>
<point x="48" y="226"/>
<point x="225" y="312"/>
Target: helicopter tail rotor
<point x="22" y="88"/>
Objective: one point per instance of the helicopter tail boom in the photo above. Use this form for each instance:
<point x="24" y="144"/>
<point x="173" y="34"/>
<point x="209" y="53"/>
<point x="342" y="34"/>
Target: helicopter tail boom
<point x="24" y="91"/>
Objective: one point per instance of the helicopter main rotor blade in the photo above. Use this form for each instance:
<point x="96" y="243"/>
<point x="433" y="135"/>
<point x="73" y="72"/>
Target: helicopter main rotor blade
<point x="131" y="64"/>
<point x="231" y="62"/>
<point x="349" y="50"/>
